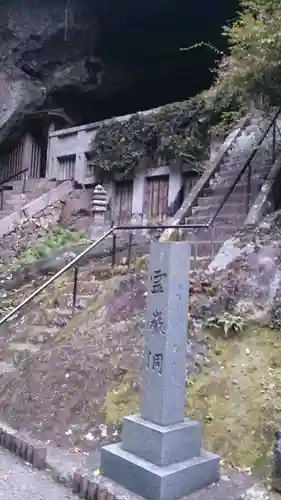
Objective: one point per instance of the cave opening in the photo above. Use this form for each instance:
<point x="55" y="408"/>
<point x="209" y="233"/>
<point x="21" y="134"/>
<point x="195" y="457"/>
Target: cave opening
<point x="146" y="39"/>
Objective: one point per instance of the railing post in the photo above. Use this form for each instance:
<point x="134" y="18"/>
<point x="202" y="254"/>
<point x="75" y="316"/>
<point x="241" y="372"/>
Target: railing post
<point x="113" y="257"/>
<point x="248" y="187"/>
<point x="24" y="182"/>
<point x="212" y="242"/>
<point x="130" y="249"/>
<point x="74" y="294"/>
<point x="274" y="142"/>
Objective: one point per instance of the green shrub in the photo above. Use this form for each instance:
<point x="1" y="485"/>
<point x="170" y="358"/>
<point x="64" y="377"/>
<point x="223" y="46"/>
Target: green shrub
<point x="254" y="65"/>
<point x="176" y="132"/>
<point x="55" y="239"/>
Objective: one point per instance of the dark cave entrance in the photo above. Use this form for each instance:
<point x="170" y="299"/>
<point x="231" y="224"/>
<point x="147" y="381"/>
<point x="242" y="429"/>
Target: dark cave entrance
<point x="146" y="39"/>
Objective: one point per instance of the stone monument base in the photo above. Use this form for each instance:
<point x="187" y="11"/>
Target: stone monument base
<point x="161" y="445"/>
<point x="160" y="462"/>
<point x="159" y="483"/>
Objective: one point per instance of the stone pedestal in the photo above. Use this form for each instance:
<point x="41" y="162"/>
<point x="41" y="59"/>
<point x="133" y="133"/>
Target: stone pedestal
<point x="160" y="456"/>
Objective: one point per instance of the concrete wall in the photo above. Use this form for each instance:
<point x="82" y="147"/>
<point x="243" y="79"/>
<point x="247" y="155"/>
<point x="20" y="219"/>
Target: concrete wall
<point x="72" y="141"/>
<point x="76" y="141"/>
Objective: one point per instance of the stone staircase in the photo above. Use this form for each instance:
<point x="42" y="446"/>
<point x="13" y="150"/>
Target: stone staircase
<point x="14" y="198"/>
<point x="205" y="243"/>
<point x="45" y="318"/>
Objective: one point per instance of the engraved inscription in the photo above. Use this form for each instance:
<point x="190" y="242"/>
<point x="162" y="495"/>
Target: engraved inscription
<point x="147" y="357"/>
<point x="157" y="279"/>
<point x="156" y="324"/>
<point x="154" y="361"/>
<point x="157" y="362"/>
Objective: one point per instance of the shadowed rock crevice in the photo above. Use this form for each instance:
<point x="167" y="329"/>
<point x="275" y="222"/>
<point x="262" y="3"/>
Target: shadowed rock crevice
<point x="112" y="58"/>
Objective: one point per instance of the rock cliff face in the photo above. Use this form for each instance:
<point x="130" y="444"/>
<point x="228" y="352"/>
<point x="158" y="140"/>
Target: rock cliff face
<point x="97" y="58"/>
<point x="245" y="276"/>
<point x="44" y="47"/>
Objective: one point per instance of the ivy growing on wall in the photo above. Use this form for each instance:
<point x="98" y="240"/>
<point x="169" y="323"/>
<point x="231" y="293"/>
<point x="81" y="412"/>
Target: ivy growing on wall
<point x="175" y="132"/>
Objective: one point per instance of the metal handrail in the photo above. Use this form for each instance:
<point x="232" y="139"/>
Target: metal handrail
<point x="74" y="261"/>
<point x="53" y="278"/>
<point x="13" y="176"/>
<point x="247" y="164"/>
<point x="113" y="229"/>
<point x="2" y="184"/>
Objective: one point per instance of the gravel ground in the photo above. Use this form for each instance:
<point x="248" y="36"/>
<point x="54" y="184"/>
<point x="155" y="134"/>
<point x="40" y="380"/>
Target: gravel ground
<point x="18" y="481"/>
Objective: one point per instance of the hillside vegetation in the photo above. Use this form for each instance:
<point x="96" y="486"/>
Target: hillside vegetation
<point x="181" y="131"/>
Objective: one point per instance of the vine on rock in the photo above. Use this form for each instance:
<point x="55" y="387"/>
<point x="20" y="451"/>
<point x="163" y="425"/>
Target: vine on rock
<point x="178" y="132"/>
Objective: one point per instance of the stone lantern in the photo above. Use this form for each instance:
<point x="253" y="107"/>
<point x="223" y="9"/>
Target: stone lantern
<point x="99" y="209"/>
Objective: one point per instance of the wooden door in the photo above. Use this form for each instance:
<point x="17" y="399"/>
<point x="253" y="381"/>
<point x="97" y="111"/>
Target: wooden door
<point x="35" y="161"/>
<point x="14" y="161"/>
<point x="189" y="181"/>
<point x="66" y="168"/>
<point x="123" y="202"/>
<point x="156" y="198"/>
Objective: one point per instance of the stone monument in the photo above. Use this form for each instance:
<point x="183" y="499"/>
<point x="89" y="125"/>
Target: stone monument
<point x="160" y="455"/>
<point x="99" y="208"/>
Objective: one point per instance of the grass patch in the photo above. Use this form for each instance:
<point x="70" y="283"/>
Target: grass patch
<point x="55" y="239"/>
<point x="237" y="398"/>
<point x="121" y="401"/>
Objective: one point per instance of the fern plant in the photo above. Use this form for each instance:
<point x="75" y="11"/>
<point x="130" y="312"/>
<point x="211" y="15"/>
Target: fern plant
<point x="229" y="323"/>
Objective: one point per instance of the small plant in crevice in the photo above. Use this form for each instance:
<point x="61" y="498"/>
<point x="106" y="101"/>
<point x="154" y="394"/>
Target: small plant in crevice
<point x="229" y="323"/>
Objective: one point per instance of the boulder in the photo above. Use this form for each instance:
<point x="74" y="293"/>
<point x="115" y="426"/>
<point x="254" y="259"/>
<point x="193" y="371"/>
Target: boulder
<point x="245" y="276"/>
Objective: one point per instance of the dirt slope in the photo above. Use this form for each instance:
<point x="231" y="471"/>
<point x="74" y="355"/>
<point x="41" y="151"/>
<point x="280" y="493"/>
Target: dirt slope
<point x="60" y="393"/>
<point x="64" y="386"/>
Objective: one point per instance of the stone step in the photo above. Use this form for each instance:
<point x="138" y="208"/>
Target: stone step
<point x="216" y="199"/>
<point x="227" y="209"/>
<point x="22" y="346"/>
<point x="17" y="191"/>
<point x="221" y="190"/>
<point x="222" y="219"/>
<point x="5" y="212"/>
<point x="235" y="163"/>
<point x="64" y="301"/>
<point x="85" y="287"/>
<point x="217" y="233"/>
<point x="36" y="189"/>
<point x="203" y="250"/>
<point x="26" y="196"/>
<point x="230" y="175"/>
<point x="15" y="353"/>
<point x="57" y="316"/>
<point x="28" y="332"/>
<point x="40" y="183"/>
<point x="15" y="203"/>
<point x="6" y="367"/>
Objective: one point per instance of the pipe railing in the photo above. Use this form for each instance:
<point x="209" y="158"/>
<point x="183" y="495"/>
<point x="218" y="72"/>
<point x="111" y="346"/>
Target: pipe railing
<point x="248" y="165"/>
<point x="74" y="264"/>
<point x="8" y="179"/>
<point x="132" y="228"/>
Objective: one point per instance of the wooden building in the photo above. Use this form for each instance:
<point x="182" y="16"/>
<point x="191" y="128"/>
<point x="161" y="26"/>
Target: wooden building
<point x="31" y="150"/>
<point x="152" y="193"/>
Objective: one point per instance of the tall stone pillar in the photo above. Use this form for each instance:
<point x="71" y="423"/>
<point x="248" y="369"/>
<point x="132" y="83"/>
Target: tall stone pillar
<point x="161" y="456"/>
